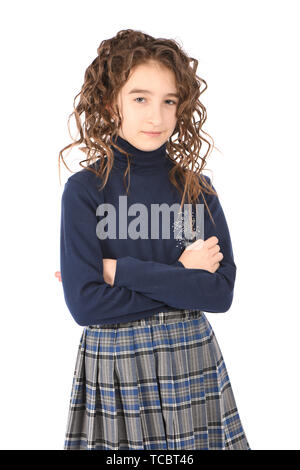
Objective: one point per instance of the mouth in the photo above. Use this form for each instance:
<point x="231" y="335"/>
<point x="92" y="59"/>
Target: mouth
<point x="151" y="133"/>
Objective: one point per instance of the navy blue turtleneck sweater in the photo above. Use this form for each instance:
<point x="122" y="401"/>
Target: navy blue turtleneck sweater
<point x="149" y="278"/>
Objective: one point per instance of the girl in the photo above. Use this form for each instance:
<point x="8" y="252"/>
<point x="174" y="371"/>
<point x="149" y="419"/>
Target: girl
<point x="149" y="372"/>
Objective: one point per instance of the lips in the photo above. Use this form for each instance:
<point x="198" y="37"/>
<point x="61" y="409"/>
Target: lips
<point x="150" y="132"/>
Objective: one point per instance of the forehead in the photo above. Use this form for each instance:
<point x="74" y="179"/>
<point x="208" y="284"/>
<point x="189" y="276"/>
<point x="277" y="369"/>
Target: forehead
<point x="152" y="78"/>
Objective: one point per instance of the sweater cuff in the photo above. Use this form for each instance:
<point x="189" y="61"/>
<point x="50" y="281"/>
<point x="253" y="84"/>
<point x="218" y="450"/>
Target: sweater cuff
<point x="123" y="269"/>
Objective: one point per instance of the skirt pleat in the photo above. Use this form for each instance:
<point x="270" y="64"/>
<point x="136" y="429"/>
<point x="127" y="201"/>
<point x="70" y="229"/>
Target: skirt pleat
<point x="155" y="383"/>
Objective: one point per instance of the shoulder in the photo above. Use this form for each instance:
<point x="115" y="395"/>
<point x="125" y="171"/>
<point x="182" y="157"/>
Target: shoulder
<point x="84" y="184"/>
<point x="206" y="183"/>
<point x="209" y="195"/>
<point x="206" y="178"/>
<point x="86" y="177"/>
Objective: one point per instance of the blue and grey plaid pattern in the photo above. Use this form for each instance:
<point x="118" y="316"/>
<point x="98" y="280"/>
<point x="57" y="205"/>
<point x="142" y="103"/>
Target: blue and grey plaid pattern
<point x="156" y="383"/>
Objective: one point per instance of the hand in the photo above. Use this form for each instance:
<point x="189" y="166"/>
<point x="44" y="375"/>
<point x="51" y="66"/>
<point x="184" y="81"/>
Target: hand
<point x="57" y="274"/>
<point x="202" y="255"/>
<point x="109" y="270"/>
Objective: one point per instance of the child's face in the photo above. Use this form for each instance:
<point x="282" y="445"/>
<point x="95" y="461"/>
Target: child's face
<point x="141" y="111"/>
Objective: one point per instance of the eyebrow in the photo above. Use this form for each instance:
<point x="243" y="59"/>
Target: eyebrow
<point x="137" y="90"/>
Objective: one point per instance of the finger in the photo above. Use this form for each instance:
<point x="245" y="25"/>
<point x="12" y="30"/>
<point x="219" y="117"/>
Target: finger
<point x="215" y="267"/>
<point x="218" y="257"/>
<point x="196" y="245"/>
<point x="212" y="241"/>
<point x="215" y="249"/>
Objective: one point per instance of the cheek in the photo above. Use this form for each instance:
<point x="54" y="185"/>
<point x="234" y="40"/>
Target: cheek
<point x="173" y="118"/>
<point x="132" y="113"/>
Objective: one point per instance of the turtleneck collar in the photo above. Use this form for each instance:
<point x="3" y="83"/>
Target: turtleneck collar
<point x="139" y="159"/>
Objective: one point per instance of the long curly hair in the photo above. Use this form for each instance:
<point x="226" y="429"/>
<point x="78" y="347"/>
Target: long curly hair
<point x="103" y="80"/>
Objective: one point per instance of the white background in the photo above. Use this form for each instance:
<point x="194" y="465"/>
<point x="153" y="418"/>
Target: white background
<point x="248" y="53"/>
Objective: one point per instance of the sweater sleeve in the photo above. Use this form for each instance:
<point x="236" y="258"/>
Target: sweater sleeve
<point x="89" y="299"/>
<point x="182" y="287"/>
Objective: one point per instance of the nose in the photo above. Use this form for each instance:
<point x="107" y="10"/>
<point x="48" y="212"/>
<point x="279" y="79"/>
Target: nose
<point x="155" y="116"/>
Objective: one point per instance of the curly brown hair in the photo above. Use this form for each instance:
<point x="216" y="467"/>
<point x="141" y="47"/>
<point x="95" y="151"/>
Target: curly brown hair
<point x="103" y="80"/>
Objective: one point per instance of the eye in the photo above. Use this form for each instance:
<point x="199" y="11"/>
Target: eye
<point x="141" y="98"/>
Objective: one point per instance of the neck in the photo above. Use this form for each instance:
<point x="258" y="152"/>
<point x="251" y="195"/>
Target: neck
<point x="139" y="159"/>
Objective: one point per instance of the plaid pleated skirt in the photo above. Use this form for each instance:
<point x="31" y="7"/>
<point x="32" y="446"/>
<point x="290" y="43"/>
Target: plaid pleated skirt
<point x="156" y="383"/>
